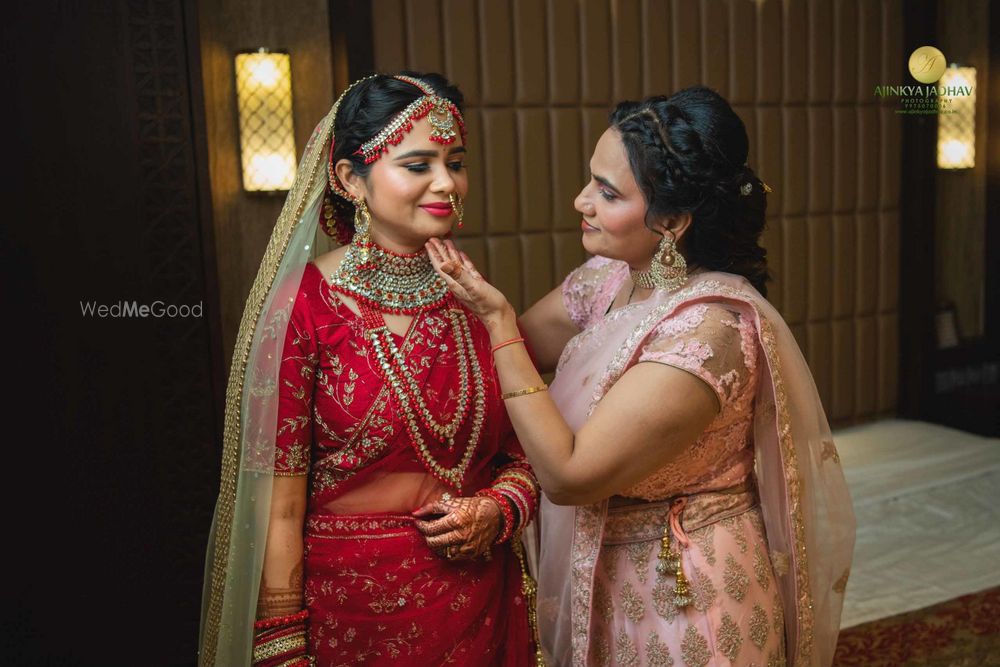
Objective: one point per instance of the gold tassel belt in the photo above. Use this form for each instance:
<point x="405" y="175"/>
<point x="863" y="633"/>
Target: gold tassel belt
<point x="643" y="521"/>
<point x="669" y="521"/>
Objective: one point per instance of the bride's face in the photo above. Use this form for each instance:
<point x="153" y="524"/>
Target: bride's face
<point x="407" y="189"/>
<point x="614" y="207"/>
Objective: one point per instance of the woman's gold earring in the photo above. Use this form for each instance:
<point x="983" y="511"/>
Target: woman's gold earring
<point x="458" y="205"/>
<point x="668" y="268"/>
<point x="362" y="225"/>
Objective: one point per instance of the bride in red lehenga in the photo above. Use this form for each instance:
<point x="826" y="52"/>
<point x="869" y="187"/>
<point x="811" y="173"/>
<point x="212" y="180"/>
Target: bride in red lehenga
<point x="370" y="472"/>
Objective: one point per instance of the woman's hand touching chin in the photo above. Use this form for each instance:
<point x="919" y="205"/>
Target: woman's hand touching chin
<point x="469" y="286"/>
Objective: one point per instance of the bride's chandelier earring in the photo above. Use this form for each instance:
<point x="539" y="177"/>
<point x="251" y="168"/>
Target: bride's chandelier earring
<point x="458" y="205"/>
<point x="362" y="225"/>
<point x="668" y="268"/>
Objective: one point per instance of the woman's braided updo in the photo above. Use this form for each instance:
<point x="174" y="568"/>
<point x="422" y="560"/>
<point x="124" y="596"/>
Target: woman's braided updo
<point x="688" y="153"/>
<point x="364" y="112"/>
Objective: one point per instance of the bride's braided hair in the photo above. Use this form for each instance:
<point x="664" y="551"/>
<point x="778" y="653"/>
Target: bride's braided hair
<point x="688" y="153"/>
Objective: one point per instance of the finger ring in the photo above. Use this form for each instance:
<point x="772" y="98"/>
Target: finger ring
<point x="446" y="496"/>
<point x="450" y="553"/>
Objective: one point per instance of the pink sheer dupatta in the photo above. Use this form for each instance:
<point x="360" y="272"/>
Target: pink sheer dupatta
<point x="807" y="510"/>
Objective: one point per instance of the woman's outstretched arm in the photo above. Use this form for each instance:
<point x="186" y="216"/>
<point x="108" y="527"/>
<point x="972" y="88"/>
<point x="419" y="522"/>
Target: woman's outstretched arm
<point x="651" y="414"/>
<point x="547" y="327"/>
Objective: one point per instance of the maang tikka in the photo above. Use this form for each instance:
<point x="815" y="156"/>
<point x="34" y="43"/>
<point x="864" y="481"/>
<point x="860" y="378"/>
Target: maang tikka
<point x="447" y="124"/>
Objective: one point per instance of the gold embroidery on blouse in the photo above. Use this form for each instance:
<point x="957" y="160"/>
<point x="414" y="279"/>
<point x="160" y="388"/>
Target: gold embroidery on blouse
<point x="296" y="459"/>
<point x="736" y="579"/>
<point x="761" y="568"/>
<point x="759" y="626"/>
<point x="776" y="659"/>
<point x="626" y="653"/>
<point x="657" y="653"/>
<point x="730" y="640"/>
<point x="705" y="539"/>
<point x="663" y="600"/>
<point x="840" y="585"/>
<point x="694" y="648"/>
<point x="632" y="603"/>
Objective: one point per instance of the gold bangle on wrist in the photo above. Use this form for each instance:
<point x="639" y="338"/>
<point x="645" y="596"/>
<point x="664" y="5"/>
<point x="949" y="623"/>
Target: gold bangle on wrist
<point x="523" y="392"/>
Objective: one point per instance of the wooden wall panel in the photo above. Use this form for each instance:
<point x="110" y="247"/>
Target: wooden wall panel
<point x="540" y="78"/>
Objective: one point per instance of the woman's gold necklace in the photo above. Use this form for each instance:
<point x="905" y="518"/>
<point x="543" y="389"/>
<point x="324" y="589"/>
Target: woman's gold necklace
<point x="377" y="291"/>
<point x="398" y="283"/>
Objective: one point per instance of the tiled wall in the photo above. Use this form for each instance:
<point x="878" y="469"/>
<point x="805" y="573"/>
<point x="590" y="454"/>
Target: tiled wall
<point x="540" y="77"/>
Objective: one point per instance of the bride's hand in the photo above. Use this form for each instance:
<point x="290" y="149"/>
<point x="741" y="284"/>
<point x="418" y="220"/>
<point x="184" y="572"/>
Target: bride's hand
<point x="467" y="284"/>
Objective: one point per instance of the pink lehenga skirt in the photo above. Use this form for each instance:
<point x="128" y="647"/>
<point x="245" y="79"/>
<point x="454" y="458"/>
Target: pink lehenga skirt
<point x="735" y="616"/>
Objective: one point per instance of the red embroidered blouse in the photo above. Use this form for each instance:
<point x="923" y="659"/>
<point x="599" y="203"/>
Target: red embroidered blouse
<point x="341" y="424"/>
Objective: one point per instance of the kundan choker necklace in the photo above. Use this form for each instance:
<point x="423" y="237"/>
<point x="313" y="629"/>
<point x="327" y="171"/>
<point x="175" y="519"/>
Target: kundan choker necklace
<point x="642" y="279"/>
<point x="390" y="282"/>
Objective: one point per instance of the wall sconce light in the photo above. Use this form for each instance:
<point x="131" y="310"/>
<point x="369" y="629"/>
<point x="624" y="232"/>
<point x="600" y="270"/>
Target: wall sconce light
<point x="267" y="135"/>
<point x="957" y="123"/>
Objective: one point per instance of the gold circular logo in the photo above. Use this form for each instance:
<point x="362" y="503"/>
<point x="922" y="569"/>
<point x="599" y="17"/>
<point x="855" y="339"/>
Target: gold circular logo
<point x="927" y="64"/>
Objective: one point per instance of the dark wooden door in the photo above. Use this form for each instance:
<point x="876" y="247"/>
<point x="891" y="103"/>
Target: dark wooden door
<point x="112" y="458"/>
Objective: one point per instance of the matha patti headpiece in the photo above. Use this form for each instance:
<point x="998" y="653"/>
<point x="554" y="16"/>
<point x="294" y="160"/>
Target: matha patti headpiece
<point x="442" y="113"/>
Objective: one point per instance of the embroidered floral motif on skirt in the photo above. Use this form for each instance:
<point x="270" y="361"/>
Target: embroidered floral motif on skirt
<point x="377" y="595"/>
<point x="735" y="616"/>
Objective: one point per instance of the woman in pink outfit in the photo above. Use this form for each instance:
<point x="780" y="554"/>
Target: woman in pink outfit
<point x="695" y="512"/>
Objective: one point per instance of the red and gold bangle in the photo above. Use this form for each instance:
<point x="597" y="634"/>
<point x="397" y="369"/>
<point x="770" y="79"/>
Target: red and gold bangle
<point x="528" y="500"/>
<point x="519" y="477"/>
<point x="526" y="484"/>
<point x="281" y="648"/>
<point x="518" y="502"/>
<point x="275" y="621"/>
<point x="505" y="344"/>
<point x="505" y="509"/>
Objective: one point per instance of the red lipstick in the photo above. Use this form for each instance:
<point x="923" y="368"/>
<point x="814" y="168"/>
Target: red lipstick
<point x="438" y="209"/>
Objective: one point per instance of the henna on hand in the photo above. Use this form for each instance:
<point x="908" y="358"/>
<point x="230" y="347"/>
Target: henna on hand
<point x="470" y="526"/>
<point x="283" y="600"/>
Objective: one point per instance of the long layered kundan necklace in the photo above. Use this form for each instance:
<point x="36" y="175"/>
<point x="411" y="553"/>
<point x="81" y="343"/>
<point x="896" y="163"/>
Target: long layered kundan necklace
<point x="382" y="281"/>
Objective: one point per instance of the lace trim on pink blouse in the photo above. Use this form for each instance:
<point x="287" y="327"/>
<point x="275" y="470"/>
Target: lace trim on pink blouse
<point x="588" y="289"/>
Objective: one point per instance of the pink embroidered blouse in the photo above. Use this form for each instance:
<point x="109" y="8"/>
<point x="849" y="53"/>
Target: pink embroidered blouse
<point x="716" y="342"/>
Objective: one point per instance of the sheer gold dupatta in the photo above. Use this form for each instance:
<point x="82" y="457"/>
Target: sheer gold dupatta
<point x="239" y="528"/>
<point x="807" y="510"/>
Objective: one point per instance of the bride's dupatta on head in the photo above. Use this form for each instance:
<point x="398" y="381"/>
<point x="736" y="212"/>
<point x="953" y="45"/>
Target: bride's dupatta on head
<point x="806" y="507"/>
<point x="239" y="528"/>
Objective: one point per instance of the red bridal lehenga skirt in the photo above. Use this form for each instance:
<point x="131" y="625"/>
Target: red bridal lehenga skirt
<point x="377" y="595"/>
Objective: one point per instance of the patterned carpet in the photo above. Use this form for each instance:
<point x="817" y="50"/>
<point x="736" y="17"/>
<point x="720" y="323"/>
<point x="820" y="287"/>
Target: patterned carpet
<point x="964" y="632"/>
